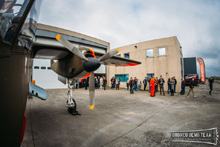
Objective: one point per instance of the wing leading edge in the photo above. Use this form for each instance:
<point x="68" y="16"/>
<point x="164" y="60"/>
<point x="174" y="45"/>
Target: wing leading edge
<point x="118" y="61"/>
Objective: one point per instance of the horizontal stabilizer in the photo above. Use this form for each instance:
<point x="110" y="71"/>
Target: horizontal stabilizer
<point x="62" y="79"/>
<point x="37" y="91"/>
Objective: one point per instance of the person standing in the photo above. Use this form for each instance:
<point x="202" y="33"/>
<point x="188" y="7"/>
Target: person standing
<point x="138" y="84"/>
<point x="131" y="84"/>
<point x="156" y="84"/>
<point x="211" y="81"/>
<point x="145" y="83"/>
<point x="183" y="84"/>
<point x="98" y="80"/>
<point x="152" y="85"/>
<point x="104" y="83"/>
<point x="101" y="82"/>
<point x="172" y="86"/>
<point x="117" y="82"/>
<point x="77" y="84"/>
<point x="96" y="83"/>
<point x="86" y="83"/>
<point x="191" y="86"/>
<point x="175" y="82"/>
<point x="169" y="86"/>
<point x="161" y="82"/>
<point x="135" y="83"/>
<point x="113" y="83"/>
<point x="127" y="85"/>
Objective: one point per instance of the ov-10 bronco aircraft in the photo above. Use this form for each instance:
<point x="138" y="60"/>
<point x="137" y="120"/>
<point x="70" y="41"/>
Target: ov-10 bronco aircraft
<point x="75" y="63"/>
<point x="18" y="47"/>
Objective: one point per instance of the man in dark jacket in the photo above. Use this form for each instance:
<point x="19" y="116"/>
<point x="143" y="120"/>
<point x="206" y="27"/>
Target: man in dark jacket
<point x="104" y="83"/>
<point x="98" y="84"/>
<point x="183" y="84"/>
<point x="113" y="83"/>
<point x="191" y="86"/>
<point x="156" y="84"/>
<point x="161" y="82"/>
<point x="211" y="81"/>
<point x="145" y="83"/>
<point x="86" y="83"/>
<point x="169" y="86"/>
<point x="131" y="83"/>
<point x="175" y="82"/>
<point x="135" y="83"/>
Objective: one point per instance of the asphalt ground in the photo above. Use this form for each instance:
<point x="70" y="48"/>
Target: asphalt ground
<point x="120" y="118"/>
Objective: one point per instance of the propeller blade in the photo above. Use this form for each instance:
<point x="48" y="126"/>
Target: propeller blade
<point x="92" y="90"/>
<point x="70" y="47"/>
<point x="109" y="54"/>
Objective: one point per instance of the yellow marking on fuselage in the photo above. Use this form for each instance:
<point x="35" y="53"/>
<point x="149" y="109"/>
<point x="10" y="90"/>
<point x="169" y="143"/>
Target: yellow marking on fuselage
<point x="58" y="37"/>
<point x="118" y="50"/>
<point x="92" y="107"/>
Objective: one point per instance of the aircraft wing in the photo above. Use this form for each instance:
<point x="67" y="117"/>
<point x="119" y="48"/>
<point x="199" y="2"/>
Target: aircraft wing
<point x="118" y="61"/>
<point x="56" y="52"/>
<point x="49" y="51"/>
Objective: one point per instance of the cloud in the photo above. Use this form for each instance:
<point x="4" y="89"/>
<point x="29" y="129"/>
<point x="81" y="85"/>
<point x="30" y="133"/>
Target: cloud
<point x="122" y="22"/>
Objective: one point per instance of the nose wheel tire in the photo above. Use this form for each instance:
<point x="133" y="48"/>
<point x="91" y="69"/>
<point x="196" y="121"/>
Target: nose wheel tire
<point x="72" y="109"/>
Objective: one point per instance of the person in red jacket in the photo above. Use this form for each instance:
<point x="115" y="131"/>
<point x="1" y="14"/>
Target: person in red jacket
<point x="152" y="85"/>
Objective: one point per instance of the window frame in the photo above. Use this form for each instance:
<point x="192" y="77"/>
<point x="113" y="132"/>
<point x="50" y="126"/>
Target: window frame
<point x="36" y="67"/>
<point x="128" y="55"/>
<point x="147" y="55"/>
<point x="43" y="67"/>
<point x="162" y="48"/>
<point x="125" y="77"/>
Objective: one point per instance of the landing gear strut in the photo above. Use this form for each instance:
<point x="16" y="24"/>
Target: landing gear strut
<point x="70" y="103"/>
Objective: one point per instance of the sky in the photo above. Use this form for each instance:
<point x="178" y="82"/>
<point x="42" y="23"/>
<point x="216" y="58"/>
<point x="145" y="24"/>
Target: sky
<point x="196" y="23"/>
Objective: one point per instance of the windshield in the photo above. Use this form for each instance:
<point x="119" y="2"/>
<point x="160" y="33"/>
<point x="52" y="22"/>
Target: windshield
<point x="11" y="12"/>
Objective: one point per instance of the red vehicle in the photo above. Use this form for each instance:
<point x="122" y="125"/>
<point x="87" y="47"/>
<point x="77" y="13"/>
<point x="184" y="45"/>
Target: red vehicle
<point x="189" y="77"/>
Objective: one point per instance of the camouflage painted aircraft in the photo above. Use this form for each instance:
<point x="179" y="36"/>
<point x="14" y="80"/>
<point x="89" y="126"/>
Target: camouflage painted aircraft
<point x="17" y="48"/>
<point x="80" y="65"/>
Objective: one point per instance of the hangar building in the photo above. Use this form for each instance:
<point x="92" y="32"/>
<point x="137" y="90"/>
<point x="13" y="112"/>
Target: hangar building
<point x="159" y="57"/>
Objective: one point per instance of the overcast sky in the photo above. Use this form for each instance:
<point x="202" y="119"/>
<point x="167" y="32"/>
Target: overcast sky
<point x="196" y="23"/>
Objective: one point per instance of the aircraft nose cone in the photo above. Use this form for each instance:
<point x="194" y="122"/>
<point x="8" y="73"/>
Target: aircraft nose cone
<point x="91" y="65"/>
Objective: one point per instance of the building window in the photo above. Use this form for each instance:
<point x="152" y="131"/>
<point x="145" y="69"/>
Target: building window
<point x="122" y="78"/>
<point x="118" y="55"/>
<point x="162" y="51"/>
<point x="43" y="67"/>
<point x="150" y="53"/>
<point x="36" y="67"/>
<point x="149" y="75"/>
<point x="127" y="55"/>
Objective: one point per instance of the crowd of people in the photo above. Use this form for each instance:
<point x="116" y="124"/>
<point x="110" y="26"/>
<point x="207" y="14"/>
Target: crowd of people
<point x="134" y="84"/>
<point x="100" y="82"/>
<point x="154" y="84"/>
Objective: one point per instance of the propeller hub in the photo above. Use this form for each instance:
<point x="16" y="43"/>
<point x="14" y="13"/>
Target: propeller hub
<point x="92" y="64"/>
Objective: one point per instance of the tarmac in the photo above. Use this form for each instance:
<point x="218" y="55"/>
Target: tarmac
<point x="120" y="119"/>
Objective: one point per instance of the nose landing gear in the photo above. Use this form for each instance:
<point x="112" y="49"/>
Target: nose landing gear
<point x="71" y="103"/>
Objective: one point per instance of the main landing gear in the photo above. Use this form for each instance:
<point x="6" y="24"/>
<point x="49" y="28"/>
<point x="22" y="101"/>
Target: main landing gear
<point x="70" y="103"/>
